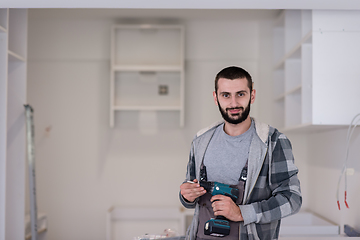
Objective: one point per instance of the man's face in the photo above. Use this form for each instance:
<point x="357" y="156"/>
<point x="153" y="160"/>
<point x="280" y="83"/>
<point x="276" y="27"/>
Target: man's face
<point x="233" y="99"/>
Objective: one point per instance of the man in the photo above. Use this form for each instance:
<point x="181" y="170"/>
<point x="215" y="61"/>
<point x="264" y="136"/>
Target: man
<point x="271" y="190"/>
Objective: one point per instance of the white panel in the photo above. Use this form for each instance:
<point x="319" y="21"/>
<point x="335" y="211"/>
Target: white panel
<point x="13" y="43"/>
<point x="336" y="79"/>
<point x="18" y="31"/>
<point x="335" y="20"/>
<point x="279" y="44"/>
<point x="153" y="46"/>
<point x="292" y="73"/>
<point x="306" y="22"/>
<point x="279" y="113"/>
<point x="292" y="29"/>
<point x="293" y="109"/>
<point x="306" y="78"/>
<point x="3" y="127"/>
<point x="279" y="82"/>
<point x="3" y="19"/>
<point x="16" y="152"/>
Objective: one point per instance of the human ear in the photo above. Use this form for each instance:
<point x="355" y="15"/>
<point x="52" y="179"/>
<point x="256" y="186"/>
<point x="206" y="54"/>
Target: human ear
<point x="253" y="95"/>
<point x="215" y="98"/>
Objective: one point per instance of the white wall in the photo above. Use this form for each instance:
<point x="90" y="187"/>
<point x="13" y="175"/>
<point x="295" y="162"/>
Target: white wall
<point x="83" y="166"/>
<point x="326" y="152"/>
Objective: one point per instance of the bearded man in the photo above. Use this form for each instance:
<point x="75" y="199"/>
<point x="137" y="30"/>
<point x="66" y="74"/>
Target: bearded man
<point x="228" y="149"/>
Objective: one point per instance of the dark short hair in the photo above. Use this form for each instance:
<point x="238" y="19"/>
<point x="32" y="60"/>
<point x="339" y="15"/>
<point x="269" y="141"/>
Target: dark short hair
<point x="232" y="73"/>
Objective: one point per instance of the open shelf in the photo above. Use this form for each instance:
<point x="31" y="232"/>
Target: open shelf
<point x="145" y="59"/>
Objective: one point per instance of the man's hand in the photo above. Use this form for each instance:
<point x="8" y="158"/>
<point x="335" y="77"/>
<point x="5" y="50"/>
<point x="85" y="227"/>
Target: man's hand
<point x="191" y="191"/>
<point x="225" y="206"/>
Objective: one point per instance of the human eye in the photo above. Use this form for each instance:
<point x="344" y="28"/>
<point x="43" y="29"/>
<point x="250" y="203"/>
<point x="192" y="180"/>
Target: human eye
<point x="225" y="95"/>
<point x="241" y="94"/>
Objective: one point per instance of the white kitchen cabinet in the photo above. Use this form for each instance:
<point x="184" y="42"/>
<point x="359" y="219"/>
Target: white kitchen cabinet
<point x="147" y="69"/>
<point x="13" y="53"/>
<point x="316" y="74"/>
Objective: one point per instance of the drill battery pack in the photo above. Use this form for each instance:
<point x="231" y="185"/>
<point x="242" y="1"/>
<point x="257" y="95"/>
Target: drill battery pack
<point x="217" y="228"/>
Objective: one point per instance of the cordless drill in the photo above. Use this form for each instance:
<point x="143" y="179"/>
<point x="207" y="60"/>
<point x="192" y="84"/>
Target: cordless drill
<point x="219" y="226"/>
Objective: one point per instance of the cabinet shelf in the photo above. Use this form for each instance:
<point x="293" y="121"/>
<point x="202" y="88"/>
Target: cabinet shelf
<point x="311" y="128"/>
<point x="147" y="108"/>
<point x="15" y="57"/>
<point x="2" y="29"/>
<point x="293" y="90"/>
<point x="146" y="26"/>
<point x="148" y="68"/>
<point x="279" y="98"/>
<point x="289" y="92"/>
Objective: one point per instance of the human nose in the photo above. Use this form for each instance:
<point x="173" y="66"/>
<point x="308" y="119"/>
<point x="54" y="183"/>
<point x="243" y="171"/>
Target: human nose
<point x="233" y="101"/>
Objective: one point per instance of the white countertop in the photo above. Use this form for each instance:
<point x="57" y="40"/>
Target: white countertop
<point x="340" y="237"/>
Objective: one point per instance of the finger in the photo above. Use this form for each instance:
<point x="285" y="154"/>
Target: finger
<point x="185" y="186"/>
<point x="193" y="192"/>
<point x="216" y="198"/>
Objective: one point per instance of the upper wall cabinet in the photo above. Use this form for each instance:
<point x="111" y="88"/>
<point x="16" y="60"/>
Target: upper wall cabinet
<point x="316" y="69"/>
<point x="147" y="69"/>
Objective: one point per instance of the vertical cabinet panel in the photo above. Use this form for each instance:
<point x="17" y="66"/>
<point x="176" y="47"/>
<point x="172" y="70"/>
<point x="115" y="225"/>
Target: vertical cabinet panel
<point x="3" y="111"/>
<point x="3" y="19"/>
<point x="13" y="45"/>
<point x="292" y="29"/>
<point x="306" y="77"/>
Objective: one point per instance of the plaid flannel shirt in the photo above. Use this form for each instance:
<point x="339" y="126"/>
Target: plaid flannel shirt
<point x="272" y="188"/>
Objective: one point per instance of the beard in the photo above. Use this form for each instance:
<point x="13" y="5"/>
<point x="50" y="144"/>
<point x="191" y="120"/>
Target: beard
<point x="235" y="118"/>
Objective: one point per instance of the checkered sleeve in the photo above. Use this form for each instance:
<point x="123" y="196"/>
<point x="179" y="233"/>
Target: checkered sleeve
<point x="190" y="175"/>
<point x="281" y="183"/>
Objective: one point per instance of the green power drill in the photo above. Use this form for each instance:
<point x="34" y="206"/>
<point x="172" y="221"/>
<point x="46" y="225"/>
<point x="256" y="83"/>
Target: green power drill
<point x="219" y="226"/>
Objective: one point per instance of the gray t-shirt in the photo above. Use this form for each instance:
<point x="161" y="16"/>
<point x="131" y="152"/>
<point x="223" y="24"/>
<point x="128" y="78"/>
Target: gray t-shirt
<point x="224" y="159"/>
<point x="226" y="155"/>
